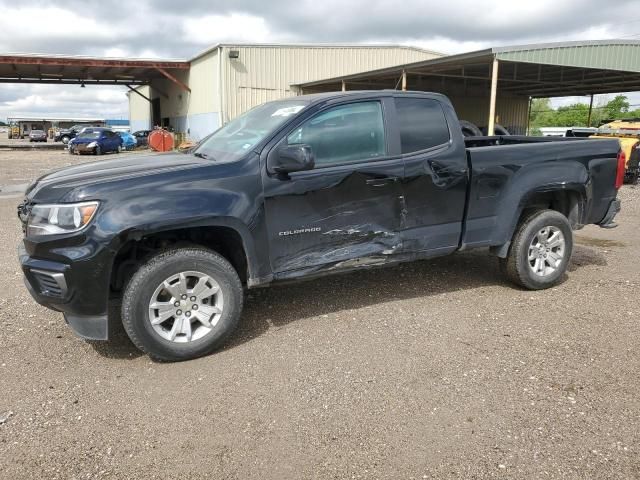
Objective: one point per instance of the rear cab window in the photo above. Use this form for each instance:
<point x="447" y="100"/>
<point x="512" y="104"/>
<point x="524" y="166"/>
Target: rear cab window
<point x="422" y="124"/>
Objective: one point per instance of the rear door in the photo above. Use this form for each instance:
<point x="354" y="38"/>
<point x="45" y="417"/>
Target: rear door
<point x="435" y="181"/>
<point x="346" y="211"/>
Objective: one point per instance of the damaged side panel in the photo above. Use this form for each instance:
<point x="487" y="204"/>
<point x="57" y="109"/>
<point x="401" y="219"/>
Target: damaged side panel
<point x="335" y="217"/>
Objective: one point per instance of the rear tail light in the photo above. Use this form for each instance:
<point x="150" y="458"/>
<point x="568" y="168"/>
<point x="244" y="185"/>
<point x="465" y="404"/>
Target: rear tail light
<point x="622" y="163"/>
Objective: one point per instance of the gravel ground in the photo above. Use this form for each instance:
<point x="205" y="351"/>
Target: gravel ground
<point x="436" y="369"/>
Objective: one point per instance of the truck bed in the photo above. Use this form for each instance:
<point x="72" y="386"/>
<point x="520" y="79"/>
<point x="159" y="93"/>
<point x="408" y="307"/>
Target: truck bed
<point x="503" y="168"/>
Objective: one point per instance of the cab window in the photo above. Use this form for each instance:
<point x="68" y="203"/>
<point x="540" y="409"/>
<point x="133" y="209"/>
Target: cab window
<point x="422" y="124"/>
<point x="344" y="134"/>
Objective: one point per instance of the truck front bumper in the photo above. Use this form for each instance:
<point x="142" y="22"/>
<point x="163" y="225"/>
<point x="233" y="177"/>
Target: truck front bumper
<point x="612" y="211"/>
<point x="75" y="287"/>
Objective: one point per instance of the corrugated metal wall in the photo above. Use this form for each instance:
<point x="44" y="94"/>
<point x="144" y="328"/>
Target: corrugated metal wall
<point x="511" y="112"/>
<point x="139" y="108"/>
<point x="264" y="73"/>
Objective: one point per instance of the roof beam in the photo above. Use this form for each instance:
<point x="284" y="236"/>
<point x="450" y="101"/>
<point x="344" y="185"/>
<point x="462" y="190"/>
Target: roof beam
<point x="67" y="81"/>
<point x="136" y="91"/>
<point x="91" y="62"/>
<point x="174" y="79"/>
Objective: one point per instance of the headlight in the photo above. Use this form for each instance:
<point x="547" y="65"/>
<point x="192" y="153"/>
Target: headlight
<point x="92" y="144"/>
<point x="63" y="218"/>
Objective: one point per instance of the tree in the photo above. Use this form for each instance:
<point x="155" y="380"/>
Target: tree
<point x="577" y="114"/>
<point x="617" y="108"/>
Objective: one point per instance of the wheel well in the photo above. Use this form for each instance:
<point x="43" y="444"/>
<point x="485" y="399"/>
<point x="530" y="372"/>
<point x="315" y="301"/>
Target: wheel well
<point x="567" y="202"/>
<point x="223" y="240"/>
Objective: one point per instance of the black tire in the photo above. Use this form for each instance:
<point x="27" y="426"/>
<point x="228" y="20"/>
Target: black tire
<point x="469" y="129"/>
<point x="633" y="168"/>
<point x="500" y="130"/>
<point x="517" y="267"/>
<point x="98" y="150"/>
<point x="497" y="130"/>
<point x="141" y="287"/>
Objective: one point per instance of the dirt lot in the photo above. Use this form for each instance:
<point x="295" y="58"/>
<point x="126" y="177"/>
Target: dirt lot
<point x="437" y="369"/>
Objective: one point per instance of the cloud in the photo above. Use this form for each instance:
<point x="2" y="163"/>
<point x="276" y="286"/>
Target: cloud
<point x="236" y="27"/>
<point x="170" y="29"/>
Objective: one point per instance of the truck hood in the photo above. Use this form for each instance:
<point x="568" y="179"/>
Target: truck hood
<point x="54" y="186"/>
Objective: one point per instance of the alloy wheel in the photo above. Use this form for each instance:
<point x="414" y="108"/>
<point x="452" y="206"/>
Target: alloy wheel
<point x="186" y="306"/>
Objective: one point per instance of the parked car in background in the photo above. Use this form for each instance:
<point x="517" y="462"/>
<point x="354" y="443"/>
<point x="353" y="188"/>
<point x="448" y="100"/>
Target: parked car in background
<point x="67" y="134"/>
<point x="142" y="137"/>
<point x="37" y="136"/>
<point x="96" y="141"/>
<point x="129" y="142"/>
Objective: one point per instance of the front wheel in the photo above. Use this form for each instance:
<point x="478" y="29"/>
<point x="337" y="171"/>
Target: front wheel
<point x="98" y="150"/>
<point x="540" y="250"/>
<point x="182" y="304"/>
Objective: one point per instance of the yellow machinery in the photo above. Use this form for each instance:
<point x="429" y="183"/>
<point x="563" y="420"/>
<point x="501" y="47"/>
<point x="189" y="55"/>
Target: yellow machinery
<point x="13" y="131"/>
<point x="628" y="132"/>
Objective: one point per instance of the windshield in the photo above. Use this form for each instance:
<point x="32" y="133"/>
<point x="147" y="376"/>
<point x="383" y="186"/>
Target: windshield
<point x="237" y="137"/>
<point x="89" y="135"/>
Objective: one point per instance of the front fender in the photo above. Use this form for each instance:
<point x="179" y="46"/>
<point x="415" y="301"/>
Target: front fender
<point x="126" y="219"/>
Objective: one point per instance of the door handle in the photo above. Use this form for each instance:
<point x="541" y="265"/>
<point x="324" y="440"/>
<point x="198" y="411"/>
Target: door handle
<point x="381" y="182"/>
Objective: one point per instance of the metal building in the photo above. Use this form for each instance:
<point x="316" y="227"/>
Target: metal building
<point x="496" y="85"/>
<point x="228" y="79"/>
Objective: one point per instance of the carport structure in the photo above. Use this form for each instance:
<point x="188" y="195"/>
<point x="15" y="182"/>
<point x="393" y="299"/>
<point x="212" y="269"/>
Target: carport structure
<point x="497" y="84"/>
<point x="82" y="71"/>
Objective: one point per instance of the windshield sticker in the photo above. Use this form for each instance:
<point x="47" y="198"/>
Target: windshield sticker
<point x="286" y="111"/>
<point x="246" y="145"/>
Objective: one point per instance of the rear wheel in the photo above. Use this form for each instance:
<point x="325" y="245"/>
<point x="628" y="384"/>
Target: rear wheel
<point x="540" y="250"/>
<point x="65" y="140"/>
<point x="182" y="304"/>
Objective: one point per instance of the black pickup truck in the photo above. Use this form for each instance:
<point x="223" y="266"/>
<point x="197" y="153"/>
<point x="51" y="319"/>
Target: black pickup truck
<point x="295" y="188"/>
<point x="67" y="134"/>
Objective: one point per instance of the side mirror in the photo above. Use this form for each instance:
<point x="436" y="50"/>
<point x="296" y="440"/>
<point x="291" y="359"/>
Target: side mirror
<point x="291" y="158"/>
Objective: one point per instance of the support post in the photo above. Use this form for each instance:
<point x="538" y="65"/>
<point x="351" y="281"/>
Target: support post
<point x="404" y="80"/>
<point x="344" y="86"/>
<point x="590" y="110"/>
<point x="528" y="132"/>
<point x="492" y="102"/>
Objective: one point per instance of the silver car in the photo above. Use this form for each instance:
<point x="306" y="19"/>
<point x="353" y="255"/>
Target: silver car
<point x="37" y="136"/>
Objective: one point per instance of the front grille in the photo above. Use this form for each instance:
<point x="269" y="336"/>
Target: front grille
<point x="49" y="283"/>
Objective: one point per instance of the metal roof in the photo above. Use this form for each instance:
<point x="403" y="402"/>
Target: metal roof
<point x="70" y="69"/>
<point x="54" y="119"/>
<point x="313" y="45"/>
<point x="542" y="70"/>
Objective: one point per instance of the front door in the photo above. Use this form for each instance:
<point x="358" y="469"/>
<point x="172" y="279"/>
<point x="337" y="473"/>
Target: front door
<point x="346" y="211"/>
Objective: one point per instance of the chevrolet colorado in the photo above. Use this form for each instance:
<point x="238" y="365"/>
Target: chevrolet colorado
<point x="301" y="187"/>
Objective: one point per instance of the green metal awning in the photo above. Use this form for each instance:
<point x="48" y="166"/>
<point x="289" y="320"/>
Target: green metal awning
<point x="542" y="70"/>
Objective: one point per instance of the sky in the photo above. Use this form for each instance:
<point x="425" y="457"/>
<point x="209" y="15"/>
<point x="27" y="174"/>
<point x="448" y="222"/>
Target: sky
<point x="181" y="28"/>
